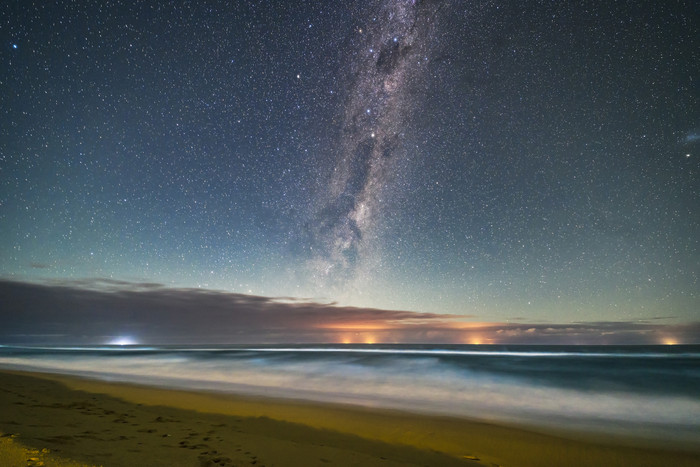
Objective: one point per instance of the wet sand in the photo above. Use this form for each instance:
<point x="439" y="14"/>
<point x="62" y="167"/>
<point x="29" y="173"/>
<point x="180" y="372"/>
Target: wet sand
<point x="69" y="421"/>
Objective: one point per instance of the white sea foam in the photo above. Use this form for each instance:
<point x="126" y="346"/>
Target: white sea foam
<point x="503" y="353"/>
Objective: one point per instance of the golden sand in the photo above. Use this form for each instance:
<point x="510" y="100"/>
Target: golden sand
<point x="55" y="419"/>
<point x="13" y="453"/>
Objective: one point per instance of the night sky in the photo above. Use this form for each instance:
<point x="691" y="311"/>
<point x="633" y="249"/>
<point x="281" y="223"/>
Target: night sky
<point x="529" y="164"/>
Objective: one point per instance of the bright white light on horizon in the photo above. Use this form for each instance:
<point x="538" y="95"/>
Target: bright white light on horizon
<point x="122" y="340"/>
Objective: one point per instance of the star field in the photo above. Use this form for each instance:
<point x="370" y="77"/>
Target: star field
<point x="499" y="160"/>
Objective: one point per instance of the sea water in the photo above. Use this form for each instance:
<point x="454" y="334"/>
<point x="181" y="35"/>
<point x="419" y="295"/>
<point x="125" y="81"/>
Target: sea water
<point x="651" y="391"/>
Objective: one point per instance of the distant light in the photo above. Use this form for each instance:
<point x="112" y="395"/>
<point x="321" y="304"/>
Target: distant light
<point x="14" y="46"/>
<point x="122" y="340"/>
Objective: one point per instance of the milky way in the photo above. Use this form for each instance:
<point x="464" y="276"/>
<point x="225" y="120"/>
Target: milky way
<point x="391" y="50"/>
<point x="500" y="161"/>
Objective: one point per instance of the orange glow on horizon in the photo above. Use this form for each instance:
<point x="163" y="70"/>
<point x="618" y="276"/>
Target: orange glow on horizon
<point x="477" y="339"/>
<point x="358" y="338"/>
<point x="404" y="325"/>
<point x="393" y="331"/>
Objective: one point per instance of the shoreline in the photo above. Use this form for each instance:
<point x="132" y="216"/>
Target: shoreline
<point x="278" y="431"/>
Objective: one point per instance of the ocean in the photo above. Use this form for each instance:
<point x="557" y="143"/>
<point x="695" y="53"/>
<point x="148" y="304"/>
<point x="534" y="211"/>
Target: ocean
<point x="644" y="391"/>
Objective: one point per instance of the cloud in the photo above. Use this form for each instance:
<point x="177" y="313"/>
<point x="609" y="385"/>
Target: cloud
<point x="90" y="309"/>
<point x="600" y="332"/>
<point x="95" y="311"/>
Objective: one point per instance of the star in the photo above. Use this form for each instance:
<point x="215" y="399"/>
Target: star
<point x="186" y="151"/>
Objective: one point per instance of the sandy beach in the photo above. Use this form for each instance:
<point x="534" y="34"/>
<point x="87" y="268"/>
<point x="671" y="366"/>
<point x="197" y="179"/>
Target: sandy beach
<point x="68" y="421"/>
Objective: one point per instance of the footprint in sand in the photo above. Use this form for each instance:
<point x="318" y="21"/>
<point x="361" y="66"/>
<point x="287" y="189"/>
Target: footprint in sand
<point x="214" y="459"/>
<point x="160" y="419"/>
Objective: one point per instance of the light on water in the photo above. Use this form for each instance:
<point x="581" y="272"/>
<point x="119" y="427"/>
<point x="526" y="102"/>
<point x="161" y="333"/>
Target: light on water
<point x="123" y="340"/>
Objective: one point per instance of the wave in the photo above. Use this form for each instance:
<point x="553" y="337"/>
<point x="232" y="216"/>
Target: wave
<point x="640" y="395"/>
<point x="646" y="391"/>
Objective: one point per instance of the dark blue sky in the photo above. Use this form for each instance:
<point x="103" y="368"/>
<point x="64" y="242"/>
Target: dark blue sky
<point x="506" y="161"/>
